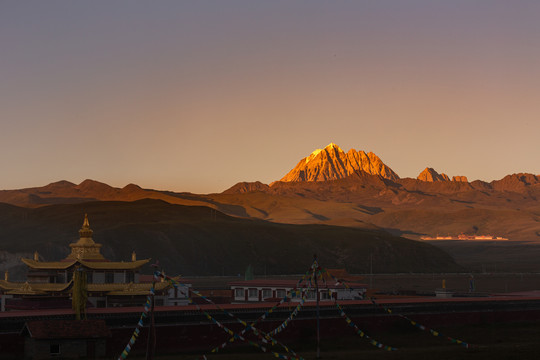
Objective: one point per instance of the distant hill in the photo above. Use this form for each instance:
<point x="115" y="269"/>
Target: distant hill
<point x="65" y="192"/>
<point x="194" y="240"/>
<point x="325" y="188"/>
<point x="353" y="189"/>
<point x="410" y="207"/>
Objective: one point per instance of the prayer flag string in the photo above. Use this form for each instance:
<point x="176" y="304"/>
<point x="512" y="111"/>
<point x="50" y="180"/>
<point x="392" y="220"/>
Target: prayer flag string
<point x="140" y="324"/>
<point x="361" y="333"/>
<point x="265" y="315"/>
<point x="412" y="322"/>
<point x="423" y="327"/>
<point x="261" y="335"/>
<point x="349" y="321"/>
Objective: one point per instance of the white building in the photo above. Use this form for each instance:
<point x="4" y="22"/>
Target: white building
<point x="272" y="290"/>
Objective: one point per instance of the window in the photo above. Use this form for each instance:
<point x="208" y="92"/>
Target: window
<point x="109" y="277"/>
<point x="325" y="295"/>
<point x="266" y="293"/>
<point x="239" y="293"/>
<point x="310" y="295"/>
<point x="100" y="303"/>
<point x="89" y="277"/>
<point x="54" y="349"/>
<point x="253" y="293"/>
<point x="280" y="293"/>
<point x="130" y="277"/>
<point x="99" y="277"/>
<point x="60" y="278"/>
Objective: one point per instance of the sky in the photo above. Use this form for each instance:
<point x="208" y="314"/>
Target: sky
<point x="199" y="95"/>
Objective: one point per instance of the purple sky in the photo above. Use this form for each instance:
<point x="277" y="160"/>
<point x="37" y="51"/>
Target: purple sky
<point x="198" y="95"/>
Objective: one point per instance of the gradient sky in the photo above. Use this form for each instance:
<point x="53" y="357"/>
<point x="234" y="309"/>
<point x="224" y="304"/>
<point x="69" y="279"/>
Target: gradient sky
<point x="199" y="95"/>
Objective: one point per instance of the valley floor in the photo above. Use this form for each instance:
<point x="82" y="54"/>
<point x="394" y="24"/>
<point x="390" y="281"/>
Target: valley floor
<point x="493" y="256"/>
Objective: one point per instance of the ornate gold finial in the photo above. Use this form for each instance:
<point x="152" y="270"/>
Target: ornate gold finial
<point x="36" y="256"/>
<point x="6" y="275"/>
<point x="85" y="248"/>
<point x="85" y="231"/>
<point x="26" y="287"/>
<point x="133" y="256"/>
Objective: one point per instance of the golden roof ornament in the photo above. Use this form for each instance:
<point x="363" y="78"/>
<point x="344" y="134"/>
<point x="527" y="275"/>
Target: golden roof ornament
<point x="85" y="248"/>
<point x="85" y="231"/>
<point x="130" y="287"/>
<point x="25" y="288"/>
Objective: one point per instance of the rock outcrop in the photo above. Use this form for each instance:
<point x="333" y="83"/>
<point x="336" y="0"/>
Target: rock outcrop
<point x="246" y="187"/>
<point x="459" y="179"/>
<point x="332" y="163"/>
<point x="516" y="182"/>
<point x="430" y="175"/>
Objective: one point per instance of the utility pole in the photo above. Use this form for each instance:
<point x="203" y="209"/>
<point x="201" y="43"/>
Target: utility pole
<point x="371" y="271"/>
<point x="315" y="268"/>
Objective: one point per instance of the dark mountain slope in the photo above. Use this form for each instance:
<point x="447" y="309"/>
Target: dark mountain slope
<point x="201" y="241"/>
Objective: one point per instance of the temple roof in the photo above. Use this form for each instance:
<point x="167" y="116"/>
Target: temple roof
<point x="87" y="253"/>
<point x="114" y="265"/>
<point x="95" y="265"/>
<point x="127" y="289"/>
<point x="9" y="285"/>
<point x="61" y="265"/>
<point x="19" y="288"/>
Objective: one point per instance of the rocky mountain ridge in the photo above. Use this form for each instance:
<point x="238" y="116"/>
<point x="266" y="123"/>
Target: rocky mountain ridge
<point x="432" y="205"/>
<point x="430" y="175"/>
<point x="332" y="163"/>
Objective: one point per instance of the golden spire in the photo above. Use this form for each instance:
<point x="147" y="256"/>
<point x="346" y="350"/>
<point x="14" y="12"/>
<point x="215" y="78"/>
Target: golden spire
<point x="85" y="231"/>
<point x="133" y="256"/>
<point x="85" y="248"/>
<point x="6" y="276"/>
<point x="36" y="256"/>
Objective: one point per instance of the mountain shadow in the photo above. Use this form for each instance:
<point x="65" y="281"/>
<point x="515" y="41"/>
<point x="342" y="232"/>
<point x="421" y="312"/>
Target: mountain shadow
<point x="196" y="240"/>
